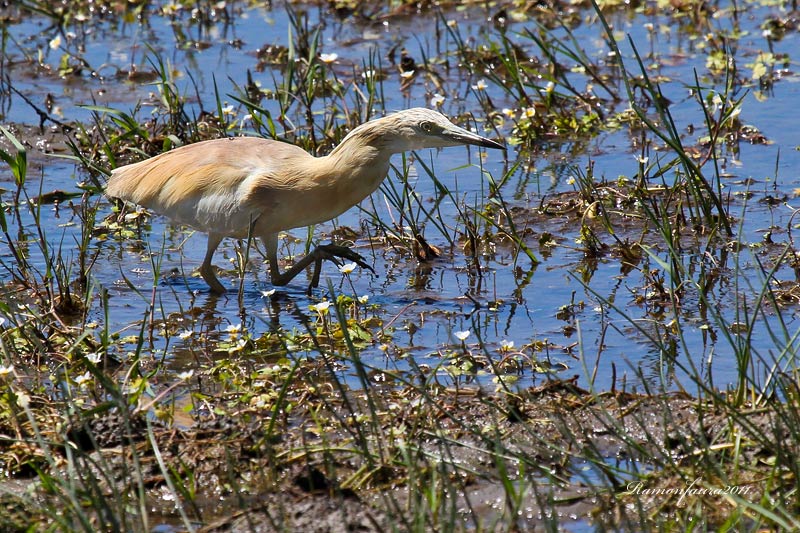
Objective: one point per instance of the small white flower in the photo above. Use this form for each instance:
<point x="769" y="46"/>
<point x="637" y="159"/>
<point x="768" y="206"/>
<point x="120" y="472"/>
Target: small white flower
<point x="83" y="379"/>
<point x="94" y="358"/>
<point x="529" y="112"/>
<point x="363" y="299"/>
<point x="185" y="334"/>
<point x="227" y="110"/>
<point x="328" y="58"/>
<point x="23" y="399"/>
<point x="6" y="370"/>
<point x="368" y="74"/>
<point x="347" y="268"/>
<point x="240" y="344"/>
<point x="642" y="159"/>
<point x="321" y="307"/>
<point x="234" y="328"/>
<point x="183" y="376"/>
<point x="570" y="181"/>
<point x="462" y="335"/>
<point x="407" y="74"/>
<point x="268" y="294"/>
<point x="452" y="23"/>
<point x="437" y="100"/>
<point x="506" y="345"/>
<point x="55" y="42"/>
<point x="480" y="86"/>
<point x="508" y="112"/>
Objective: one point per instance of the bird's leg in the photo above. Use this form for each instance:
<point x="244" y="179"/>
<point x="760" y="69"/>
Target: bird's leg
<point x="206" y="269"/>
<point x="332" y="252"/>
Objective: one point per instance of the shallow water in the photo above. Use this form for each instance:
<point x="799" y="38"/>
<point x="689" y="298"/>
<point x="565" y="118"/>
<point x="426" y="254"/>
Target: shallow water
<point x="426" y="305"/>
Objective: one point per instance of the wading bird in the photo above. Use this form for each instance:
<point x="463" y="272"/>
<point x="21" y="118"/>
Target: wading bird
<point x="248" y="186"/>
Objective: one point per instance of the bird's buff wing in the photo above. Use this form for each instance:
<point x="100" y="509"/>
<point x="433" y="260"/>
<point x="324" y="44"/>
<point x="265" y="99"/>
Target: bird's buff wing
<point x="204" y="185"/>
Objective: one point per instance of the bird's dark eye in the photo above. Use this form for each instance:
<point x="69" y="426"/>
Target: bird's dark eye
<point x="427" y="127"/>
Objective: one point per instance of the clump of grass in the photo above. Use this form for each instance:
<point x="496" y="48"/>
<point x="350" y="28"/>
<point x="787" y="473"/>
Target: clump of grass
<point x="548" y="106"/>
<point x="714" y="455"/>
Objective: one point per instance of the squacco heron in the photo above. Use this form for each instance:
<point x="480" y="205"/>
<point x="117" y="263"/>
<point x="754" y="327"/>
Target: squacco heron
<point x="247" y="186"/>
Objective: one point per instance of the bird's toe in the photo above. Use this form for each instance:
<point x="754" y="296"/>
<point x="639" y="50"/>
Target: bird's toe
<point x="335" y="253"/>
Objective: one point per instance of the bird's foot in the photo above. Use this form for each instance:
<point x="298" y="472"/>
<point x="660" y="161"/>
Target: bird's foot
<point x="336" y="253"/>
<point x="208" y="274"/>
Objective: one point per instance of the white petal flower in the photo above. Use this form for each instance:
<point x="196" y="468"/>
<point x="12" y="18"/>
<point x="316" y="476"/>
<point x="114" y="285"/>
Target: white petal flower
<point x="185" y="334"/>
<point x="267" y="294"/>
<point x="234" y="328"/>
<point x="23" y="399"/>
<point x="508" y="112"/>
<point x="462" y="335"/>
<point x="506" y="345"/>
<point x="83" y="379"/>
<point x="238" y="346"/>
<point x="347" y="268"/>
<point x="55" y="43"/>
<point x="95" y="357"/>
<point x="321" y="307"/>
<point x="407" y="74"/>
<point x="480" y="85"/>
<point x="328" y="58"/>
<point x="437" y="100"/>
<point x="6" y="370"/>
<point x="183" y="376"/>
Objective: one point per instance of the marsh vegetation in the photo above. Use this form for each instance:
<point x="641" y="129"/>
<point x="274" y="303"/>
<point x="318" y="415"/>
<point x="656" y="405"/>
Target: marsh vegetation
<point x="596" y="330"/>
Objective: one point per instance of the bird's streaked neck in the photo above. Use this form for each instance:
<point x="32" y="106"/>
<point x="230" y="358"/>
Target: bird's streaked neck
<point x="362" y="149"/>
<point x="380" y="134"/>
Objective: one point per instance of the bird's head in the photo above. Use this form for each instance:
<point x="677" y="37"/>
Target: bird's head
<point x="418" y="128"/>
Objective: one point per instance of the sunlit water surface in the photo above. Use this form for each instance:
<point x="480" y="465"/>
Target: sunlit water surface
<point x="426" y="304"/>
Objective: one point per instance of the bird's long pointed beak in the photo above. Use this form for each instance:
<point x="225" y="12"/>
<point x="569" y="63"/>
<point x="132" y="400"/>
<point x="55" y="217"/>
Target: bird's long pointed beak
<point x="462" y="136"/>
